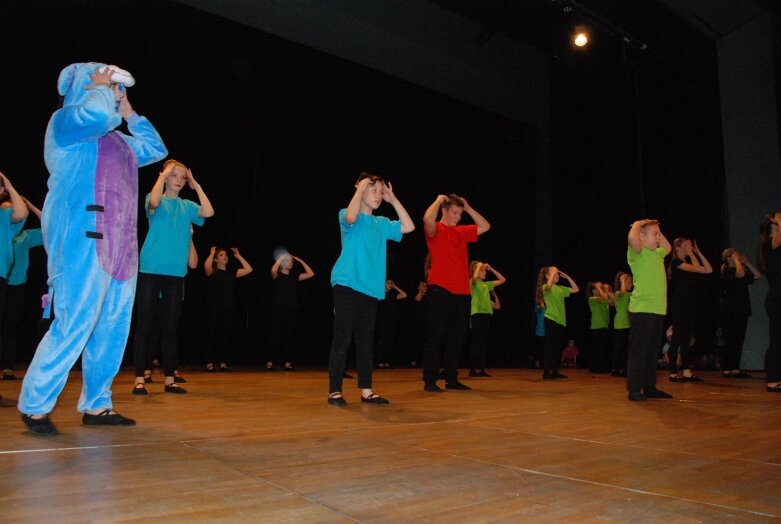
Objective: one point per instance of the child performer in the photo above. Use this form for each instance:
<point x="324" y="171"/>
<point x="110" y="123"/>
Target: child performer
<point x="647" y="248"/>
<point x="621" y="323"/>
<point x="221" y="285"/>
<point x="553" y="295"/>
<point x="599" y="298"/>
<point x="482" y="310"/>
<point x="358" y="280"/>
<point x="737" y="273"/>
<point x="164" y="259"/>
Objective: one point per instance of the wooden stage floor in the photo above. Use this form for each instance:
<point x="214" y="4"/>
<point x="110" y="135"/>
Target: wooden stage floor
<point x="251" y="446"/>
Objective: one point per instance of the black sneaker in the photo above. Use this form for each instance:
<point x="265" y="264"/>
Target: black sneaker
<point x="458" y="385"/>
<point x="482" y="373"/>
<point x="432" y="388"/>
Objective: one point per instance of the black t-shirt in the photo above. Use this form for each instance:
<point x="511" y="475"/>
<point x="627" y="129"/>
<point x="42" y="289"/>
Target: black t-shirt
<point x="772" y="268"/>
<point x="736" y="299"/>
<point x="221" y="286"/>
<point x="683" y="285"/>
<point x="285" y="289"/>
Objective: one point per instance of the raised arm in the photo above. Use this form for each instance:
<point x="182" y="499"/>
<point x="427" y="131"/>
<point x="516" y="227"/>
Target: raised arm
<point x="400" y="294"/>
<point x="431" y="214"/>
<point x="245" y="268"/>
<point x="633" y="239"/>
<point x="275" y="266"/>
<point x="480" y="221"/>
<point x="499" y="277"/>
<point x="573" y="286"/>
<point x="698" y="264"/>
<point x="354" y="207"/>
<point x="18" y="204"/>
<point x="308" y="273"/>
<point x="206" y="210"/>
<point x="156" y="195"/>
<point x="407" y="225"/>
<point x="208" y="264"/>
<point x="34" y="210"/>
<point x="747" y="263"/>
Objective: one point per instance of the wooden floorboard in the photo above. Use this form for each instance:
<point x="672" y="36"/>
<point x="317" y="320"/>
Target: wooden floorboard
<point x="251" y="446"/>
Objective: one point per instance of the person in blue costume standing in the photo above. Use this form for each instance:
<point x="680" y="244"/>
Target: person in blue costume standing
<point x="23" y="242"/>
<point x="89" y="232"/>
<point x="13" y="213"/>
<point x="164" y="258"/>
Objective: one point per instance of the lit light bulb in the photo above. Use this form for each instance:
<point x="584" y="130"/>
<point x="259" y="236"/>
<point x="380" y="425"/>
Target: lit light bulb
<point x="581" y="39"/>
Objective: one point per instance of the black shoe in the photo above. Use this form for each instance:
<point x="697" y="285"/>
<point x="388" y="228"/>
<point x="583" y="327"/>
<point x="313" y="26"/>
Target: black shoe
<point x="139" y="389"/>
<point x="458" y="385"/>
<point x="547" y="375"/>
<point x="473" y="373"/>
<point x="289" y="367"/>
<point x="147" y="379"/>
<point x="225" y="369"/>
<point x="559" y="375"/>
<point x="656" y="393"/>
<point x="9" y="375"/>
<point x="636" y="396"/>
<point x="174" y="388"/>
<point x="337" y="401"/>
<point x="347" y="375"/>
<point x="482" y="373"/>
<point x="107" y="418"/>
<point x="374" y="398"/>
<point x="179" y="379"/>
<point x="39" y="426"/>
<point x="432" y="388"/>
<point x="678" y="378"/>
<point x="210" y="369"/>
<point x="773" y="389"/>
<point x="692" y="378"/>
<point x="270" y="368"/>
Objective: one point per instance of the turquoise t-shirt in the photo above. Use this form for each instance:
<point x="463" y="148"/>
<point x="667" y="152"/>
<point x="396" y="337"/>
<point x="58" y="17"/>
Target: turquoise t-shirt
<point x="650" y="281"/>
<point x="23" y="242"/>
<point x="361" y="265"/>
<point x="621" y="320"/>
<point x="600" y="313"/>
<point x="539" y="321"/>
<point x="481" y="297"/>
<point x="8" y="230"/>
<point x="167" y="244"/>
<point x="554" y="303"/>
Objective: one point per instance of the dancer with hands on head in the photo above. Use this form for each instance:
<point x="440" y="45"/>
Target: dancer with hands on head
<point x="221" y="286"/>
<point x="449" y="295"/>
<point x="89" y="232"/>
<point x="164" y="259"/>
<point x="552" y="295"/>
<point x="358" y="280"/>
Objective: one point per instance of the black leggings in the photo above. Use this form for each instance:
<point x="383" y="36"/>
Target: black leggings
<point x="168" y="291"/>
<point x="683" y="330"/>
<point x="554" y="342"/>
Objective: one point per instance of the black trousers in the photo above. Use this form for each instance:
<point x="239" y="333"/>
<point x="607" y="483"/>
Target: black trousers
<point x="221" y="330"/>
<point x="734" y="332"/>
<point x="481" y="335"/>
<point x="620" y="342"/>
<point x="14" y="304"/>
<point x="645" y="336"/>
<point x="773" y="355"/>
<point x="554" y="343"/>
<point x="354" y="318"/>
<point x="683" y="330"/>
<point x="282" y="338"/>
<point x="447" y="319"/>
<point x="168" y="291"/>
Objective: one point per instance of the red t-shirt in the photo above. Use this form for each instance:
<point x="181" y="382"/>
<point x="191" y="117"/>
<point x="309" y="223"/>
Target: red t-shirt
<point x="450" y="257"/>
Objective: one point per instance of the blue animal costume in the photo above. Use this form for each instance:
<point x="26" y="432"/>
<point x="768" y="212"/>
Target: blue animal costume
<point x="89" y="232"/>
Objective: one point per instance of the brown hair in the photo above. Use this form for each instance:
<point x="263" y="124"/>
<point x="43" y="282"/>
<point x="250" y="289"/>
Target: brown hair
<point x="453" y="200"/>
<point x="541" y="279"/>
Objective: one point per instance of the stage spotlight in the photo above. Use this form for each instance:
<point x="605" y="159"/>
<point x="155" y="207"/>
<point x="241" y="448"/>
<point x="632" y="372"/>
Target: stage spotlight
<point x="580" y="39"/>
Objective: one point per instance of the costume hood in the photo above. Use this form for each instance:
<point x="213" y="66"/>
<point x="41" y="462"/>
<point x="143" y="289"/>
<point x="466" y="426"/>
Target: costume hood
<point x="76" y="77"/>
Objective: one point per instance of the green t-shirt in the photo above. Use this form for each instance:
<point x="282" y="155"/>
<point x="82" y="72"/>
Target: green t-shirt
<point x="481" y="297"/>
<point x="554" y="303"/>
<point x="621" y="320"/>
<point x="650" y="280"/>
<point x="600" y="313"/>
